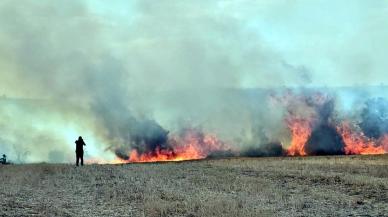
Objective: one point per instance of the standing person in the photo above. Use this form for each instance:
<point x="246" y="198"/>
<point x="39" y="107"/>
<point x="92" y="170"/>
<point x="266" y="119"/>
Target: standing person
<point x="3" y="160"/>
<point x="79" y="150"/>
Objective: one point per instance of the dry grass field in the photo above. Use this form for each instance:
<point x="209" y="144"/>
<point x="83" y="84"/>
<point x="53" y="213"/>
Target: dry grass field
<point x="300" y="186"/>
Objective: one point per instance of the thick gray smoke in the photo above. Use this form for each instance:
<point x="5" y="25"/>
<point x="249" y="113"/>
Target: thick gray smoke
<point x="131" y="75"/>
<point x="374" y="118"/>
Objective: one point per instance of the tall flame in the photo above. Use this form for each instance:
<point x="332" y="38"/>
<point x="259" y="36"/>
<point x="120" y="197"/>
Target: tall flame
<point x="358" y="143"/>
<point x="355" y="141"/>
<point x="300" y="132"/>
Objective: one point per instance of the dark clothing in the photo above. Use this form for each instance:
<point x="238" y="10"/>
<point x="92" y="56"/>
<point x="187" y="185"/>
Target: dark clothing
<point x="79" y="151"/>
<point x="79" y="145"/>
<point x="3" y="160"/>
<point x="80" y="155"/>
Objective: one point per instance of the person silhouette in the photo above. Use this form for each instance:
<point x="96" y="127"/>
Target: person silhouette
<point x="3" y="160"/>
<point x="79" y="150"/>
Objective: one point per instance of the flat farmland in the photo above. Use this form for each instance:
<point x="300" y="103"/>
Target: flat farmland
<point x="282" y="186"/>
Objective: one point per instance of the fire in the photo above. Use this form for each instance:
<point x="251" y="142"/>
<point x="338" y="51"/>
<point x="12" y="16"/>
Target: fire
<point x="159" y="155"/>
<point x="307" y="115"/>
<point x="384" y="142"/>
<point x="300" y="132"/>
<point x="355" y="141"/>
<point x="190" y="145"/>
<point x="358" y="143"/>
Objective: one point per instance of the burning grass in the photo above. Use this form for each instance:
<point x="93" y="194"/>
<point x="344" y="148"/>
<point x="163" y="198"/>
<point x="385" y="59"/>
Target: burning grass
<point x="190" y="144"/>
<point x="314" y="128"/>
<point x="285" y="186"/>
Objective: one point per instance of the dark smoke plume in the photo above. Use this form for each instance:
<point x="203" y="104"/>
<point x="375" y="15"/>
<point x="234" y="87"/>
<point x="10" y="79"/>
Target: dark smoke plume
<point x="147" y="135"/>
<point x="266" y="150"/>
<point x="374" y="118"/>
<point x="144" y="136"/>
<point x="324" y="138"/>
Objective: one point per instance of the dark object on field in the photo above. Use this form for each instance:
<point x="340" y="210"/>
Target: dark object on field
<point x="79" y="150"/>
<point x="3" y="160"/>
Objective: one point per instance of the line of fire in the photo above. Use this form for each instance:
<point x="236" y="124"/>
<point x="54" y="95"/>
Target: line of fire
<point x="317" y="130"/>
<point x="311" y="123"/>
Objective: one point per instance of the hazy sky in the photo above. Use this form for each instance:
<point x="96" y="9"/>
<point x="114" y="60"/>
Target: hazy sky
<point x="157" y="45"/>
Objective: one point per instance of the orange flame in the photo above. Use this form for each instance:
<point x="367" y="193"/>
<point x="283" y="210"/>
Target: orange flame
<point x="159" y="155"/>
<point x="192" y="145"/>
<point x="383" y="141"/>
<point x="300" y="132"/>
<point x="358" y="143"/>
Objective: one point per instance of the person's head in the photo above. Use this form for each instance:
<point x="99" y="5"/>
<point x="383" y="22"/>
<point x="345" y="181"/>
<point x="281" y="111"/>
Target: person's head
<point x="4" y="155"/>
<point x="80" y="138"/>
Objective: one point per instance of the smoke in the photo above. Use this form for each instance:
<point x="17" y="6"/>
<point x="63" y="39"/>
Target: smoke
<point x="324" y="139"/>
<point x="374" y="118"/>
<point x="132" y="76"/>
<point x="145" y="137"/>
<point x="265" y="150"/>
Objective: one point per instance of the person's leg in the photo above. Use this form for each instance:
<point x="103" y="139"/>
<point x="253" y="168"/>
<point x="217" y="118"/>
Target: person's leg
<point x="82" y="159"/>
<point x="77" y="161"/>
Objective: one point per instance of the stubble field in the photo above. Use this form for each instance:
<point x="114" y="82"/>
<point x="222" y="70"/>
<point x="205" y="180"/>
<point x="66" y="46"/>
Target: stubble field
<point x="299" y="186"/>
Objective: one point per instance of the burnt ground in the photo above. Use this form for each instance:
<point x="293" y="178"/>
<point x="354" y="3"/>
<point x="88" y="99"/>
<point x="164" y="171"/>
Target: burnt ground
<point x="284" y="186"/>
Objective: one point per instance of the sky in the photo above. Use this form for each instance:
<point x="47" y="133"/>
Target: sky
<point x="90" y="59"/>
